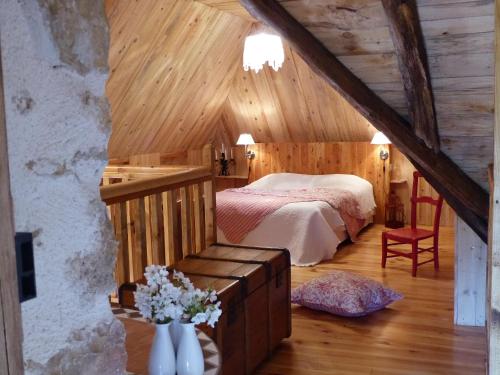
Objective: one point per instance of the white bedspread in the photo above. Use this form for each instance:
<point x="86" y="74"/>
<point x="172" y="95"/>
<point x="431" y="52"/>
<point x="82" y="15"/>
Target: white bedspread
<point x="310" y="230"/>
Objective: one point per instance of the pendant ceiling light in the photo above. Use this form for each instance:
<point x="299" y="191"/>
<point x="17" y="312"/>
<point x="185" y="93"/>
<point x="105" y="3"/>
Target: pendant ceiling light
<point x="261" y="49"/>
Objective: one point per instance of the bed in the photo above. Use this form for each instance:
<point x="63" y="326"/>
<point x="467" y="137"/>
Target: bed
<point x="306" y="221"/>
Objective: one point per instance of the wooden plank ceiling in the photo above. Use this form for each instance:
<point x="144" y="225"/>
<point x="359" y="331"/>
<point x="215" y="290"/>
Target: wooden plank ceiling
<point x="172" y="64"/>
<point x="459" y="42"/>
<point x="291" y="105"/>
<point x="231" y="6"/>
<point x="194" y="51"/>
<point x="177" y="82"/>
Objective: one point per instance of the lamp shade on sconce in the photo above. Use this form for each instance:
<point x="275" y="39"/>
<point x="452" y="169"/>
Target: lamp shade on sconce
<point x="245" y="139"/>
<point x="380" y="139"/>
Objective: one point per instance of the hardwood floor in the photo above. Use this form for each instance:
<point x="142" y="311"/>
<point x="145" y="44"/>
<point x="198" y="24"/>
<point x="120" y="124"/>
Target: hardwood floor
<point x="412" y="336"/>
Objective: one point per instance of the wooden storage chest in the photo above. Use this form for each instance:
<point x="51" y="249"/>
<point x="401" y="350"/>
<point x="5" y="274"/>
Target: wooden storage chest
<point x="254" y="278"/>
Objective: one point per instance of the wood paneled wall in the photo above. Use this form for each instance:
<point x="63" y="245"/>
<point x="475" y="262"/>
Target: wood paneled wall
<point x="358" y="158"/>
<point x="471" y="254"/>
<point x="402" y="170"/>
<point x="172" y="63"/>
<point x="187" y="157"/>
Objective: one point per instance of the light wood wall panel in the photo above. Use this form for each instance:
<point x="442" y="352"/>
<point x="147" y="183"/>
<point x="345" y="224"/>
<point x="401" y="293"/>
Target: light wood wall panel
<point x="172" y="64"/>
<point x="459" y="40"/>
<point x="189" y="157"/>
<point x="402" y="170"/>
<point x="291" y="105"/>
<point x="470" y="277"/>
<point x="358" y="158"/>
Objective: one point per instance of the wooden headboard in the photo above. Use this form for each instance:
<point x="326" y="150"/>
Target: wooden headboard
<point x="357" y="158"/>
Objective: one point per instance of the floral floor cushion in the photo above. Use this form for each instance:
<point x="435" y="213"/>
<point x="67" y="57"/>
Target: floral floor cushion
<point x="344" y="293"/>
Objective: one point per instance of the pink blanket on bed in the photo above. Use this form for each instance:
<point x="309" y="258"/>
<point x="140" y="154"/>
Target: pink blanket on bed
<point x="239" y="211"/>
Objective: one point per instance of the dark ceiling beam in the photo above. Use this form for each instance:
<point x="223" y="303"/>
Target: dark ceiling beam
<point x="464" y="195"/>
<point x="409" y="46"/>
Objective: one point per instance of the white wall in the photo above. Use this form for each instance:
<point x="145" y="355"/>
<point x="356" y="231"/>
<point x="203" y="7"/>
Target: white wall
<point x="54" y="58"/>
<point x="470" y="276"/>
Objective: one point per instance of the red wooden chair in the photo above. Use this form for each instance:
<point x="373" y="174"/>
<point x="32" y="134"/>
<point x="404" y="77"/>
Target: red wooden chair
<point x="413" y="234"/>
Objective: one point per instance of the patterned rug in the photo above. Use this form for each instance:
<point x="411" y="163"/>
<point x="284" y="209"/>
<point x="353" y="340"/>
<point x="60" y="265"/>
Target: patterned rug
<point x="123" y="313"/>
<point x="210" y="351"/>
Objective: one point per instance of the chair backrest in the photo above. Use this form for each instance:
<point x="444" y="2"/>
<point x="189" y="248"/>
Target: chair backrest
<point x="415" y="199"/>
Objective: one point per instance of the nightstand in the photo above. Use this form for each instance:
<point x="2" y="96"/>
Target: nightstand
<point x="394" y="206"/>
<point x="230" y="182"/>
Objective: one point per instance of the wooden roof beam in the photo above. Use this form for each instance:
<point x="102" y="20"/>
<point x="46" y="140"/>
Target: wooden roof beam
<point x="466" y="197"/>
<point x="408" y="40"/>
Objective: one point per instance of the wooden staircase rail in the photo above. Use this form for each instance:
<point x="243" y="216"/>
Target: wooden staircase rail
<point x="124" y="191"/>
<point x="159" y="214"/>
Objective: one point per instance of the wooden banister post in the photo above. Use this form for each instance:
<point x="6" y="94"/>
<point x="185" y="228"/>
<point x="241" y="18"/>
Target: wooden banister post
<point x="171" y="226"/>
<point x="186" y="213"/>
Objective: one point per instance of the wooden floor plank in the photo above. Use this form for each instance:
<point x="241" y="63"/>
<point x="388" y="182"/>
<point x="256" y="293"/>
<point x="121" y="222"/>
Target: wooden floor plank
<point x="412" y="336"/>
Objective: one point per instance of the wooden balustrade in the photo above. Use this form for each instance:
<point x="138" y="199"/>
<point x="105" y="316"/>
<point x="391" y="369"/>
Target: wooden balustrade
<point x="159" y="214"/>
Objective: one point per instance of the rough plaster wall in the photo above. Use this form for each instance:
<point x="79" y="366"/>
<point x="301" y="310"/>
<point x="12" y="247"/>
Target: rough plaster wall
<point x="54" y="58"/>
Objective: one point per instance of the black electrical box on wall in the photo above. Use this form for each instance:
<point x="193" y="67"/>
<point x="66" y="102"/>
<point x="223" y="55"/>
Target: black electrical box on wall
<point x="25" y="266"/>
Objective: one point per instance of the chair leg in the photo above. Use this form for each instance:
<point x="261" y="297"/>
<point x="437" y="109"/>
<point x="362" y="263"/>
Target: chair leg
<point x="384" y="250"/>
<point x="414" y="258"/>
<point x="436" y="253"/>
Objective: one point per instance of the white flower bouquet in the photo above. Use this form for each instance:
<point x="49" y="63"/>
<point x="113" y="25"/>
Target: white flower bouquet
<point x="163" y="301"/>
<point x="198" y="306"/>
<point x="158" y="301"/>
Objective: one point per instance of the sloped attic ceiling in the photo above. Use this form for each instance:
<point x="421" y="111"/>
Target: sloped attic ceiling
<point x="171" y="67"/>
<point x="148" y="118"/>
<point x="177" y="82"/>
<point x="459" y="38"/>
<point x="291" y="105"/>
<point x="459" y="42"/>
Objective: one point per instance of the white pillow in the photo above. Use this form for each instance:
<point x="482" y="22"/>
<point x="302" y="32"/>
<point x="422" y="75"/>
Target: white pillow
<point x="283" y="181"/>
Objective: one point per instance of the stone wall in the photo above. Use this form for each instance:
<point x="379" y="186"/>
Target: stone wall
<point x="54" y="55"/>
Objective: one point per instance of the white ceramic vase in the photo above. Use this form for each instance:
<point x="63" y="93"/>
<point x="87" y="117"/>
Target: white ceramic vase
<point x="162" y="355"/>
<point x="189" y="354"/>
<point x="175" y="333"/>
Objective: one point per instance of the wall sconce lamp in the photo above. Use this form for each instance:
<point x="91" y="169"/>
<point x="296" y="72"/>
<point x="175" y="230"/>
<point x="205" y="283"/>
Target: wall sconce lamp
<point x="246" y="139"/>
<point x="380" y="139"/>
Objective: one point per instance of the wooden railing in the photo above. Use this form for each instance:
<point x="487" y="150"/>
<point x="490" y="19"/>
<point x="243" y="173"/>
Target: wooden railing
<point x="159" y="214"/>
